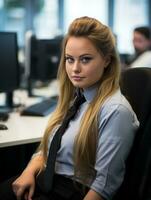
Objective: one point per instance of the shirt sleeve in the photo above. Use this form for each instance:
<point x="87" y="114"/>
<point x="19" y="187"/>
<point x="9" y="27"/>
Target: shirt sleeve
<point x="116" y="134"/>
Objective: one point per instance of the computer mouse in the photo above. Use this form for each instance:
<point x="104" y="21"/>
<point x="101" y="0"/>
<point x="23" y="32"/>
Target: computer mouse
<point x="3" y="127"/>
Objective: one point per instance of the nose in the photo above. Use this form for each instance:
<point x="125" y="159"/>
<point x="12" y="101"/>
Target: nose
<point x="76" y="67"/>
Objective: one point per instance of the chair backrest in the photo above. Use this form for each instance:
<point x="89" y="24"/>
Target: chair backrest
<point x="136" y="86"/>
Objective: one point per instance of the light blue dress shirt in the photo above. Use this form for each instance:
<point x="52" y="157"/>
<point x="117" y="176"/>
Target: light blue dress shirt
<point x="117" y="126"/>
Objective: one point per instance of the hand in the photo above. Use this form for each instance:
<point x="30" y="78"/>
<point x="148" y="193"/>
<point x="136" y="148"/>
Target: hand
<point x="92" y="195"/>
<point x="24" y="185"/>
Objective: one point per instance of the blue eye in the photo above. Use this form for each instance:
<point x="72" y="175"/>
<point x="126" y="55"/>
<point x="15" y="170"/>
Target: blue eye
<point x="85" y="60"/>
<point x="69" y="59"/>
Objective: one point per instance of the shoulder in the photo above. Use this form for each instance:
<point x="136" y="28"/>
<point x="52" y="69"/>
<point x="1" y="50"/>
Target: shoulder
<point x="117" y="119"/>
<point x="143" y="60"/>
<point x="116" y="103"/>
<point x="116" y="112"/>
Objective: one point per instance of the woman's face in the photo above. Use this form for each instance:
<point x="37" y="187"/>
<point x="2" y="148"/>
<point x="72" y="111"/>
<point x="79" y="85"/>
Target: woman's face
<point x="84" y="64"/>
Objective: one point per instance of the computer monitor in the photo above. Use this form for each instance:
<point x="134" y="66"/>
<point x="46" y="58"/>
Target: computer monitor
<point x="9" y="67"/>
<point x="44" y="60"/>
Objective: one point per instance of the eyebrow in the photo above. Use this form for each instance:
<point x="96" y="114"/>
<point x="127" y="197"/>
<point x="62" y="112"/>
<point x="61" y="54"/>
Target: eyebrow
<point x="80" y="55"/>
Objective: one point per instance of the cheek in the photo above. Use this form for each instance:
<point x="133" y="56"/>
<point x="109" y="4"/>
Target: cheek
<point x="68" y="71"/>
<point x="93" y="77"/>
<point x="96" y="73"/>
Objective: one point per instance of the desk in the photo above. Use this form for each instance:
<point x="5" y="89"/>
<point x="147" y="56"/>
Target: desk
<point x="22" y="130"/>
<point x="25" y="129"/>
<point x="19" y="142"/>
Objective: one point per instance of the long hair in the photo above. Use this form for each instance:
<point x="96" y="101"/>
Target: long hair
<point x="84" y="154"/>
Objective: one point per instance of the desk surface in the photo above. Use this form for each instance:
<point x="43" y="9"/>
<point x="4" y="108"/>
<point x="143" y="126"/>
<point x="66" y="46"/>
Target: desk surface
<point x="22" y="130"/>
<point x="25" y="129"/>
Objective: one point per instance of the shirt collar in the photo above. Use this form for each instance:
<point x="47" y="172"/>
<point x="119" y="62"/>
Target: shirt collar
<point x="90" y="92"/>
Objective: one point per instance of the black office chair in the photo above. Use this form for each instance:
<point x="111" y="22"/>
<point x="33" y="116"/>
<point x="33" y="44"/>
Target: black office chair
<point x="136" y="86"/>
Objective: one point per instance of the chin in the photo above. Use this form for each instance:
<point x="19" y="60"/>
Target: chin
<point x="78" y="85"/>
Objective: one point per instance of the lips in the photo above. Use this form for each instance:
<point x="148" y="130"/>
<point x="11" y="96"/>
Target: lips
<point x="77" y="78"/>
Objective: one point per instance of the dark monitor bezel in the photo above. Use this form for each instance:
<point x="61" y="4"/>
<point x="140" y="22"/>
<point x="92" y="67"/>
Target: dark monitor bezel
<point x="40" y="46"/>
<point x="32" y="53"/>
<point x="16" y="84"/>
<point x="9" y="89"/>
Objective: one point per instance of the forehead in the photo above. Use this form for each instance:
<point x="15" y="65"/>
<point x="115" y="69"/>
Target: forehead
<point x="80" y="45"/>
<point x="138" y="35"/>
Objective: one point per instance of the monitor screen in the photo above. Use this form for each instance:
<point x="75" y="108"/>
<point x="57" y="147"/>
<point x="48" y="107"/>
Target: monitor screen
<point x="45" y="57"/>
<point x="9" y="67"/>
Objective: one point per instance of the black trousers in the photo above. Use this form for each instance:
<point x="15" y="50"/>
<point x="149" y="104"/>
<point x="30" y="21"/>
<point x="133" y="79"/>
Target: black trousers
<point x="63" y="189"/>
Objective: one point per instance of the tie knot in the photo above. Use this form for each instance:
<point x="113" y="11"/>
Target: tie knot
<point x="76" y="104"/>
<point x="79" y="100"/>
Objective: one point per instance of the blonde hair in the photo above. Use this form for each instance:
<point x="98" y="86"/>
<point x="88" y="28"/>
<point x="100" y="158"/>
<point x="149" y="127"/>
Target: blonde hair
<point x="84" y="154"/>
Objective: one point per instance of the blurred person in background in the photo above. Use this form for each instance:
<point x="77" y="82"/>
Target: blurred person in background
<point x="142" y="47"/>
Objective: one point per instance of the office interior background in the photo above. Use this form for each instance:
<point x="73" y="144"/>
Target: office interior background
<point x="49" y="19"/>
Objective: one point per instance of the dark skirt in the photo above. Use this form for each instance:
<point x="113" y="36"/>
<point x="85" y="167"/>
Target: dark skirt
<point x="63" y="189"/>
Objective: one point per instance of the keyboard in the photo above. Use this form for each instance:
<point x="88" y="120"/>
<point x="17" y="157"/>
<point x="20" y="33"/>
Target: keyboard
<point x="42" y="108"/>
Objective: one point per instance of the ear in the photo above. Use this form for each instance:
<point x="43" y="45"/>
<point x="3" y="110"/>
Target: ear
<point x="107" y="61"/>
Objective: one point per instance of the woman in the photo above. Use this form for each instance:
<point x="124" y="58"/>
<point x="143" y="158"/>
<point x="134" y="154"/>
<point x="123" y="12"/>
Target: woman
<point x="98" y="139"/>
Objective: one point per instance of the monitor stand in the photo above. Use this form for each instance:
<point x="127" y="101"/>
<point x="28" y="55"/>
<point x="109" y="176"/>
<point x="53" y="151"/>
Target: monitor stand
<point x="30" y="88"/>
<point x="9" y="105"/>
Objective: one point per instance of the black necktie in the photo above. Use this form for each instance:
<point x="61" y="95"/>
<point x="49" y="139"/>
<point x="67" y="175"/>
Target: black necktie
<point x="56" y="141"/>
